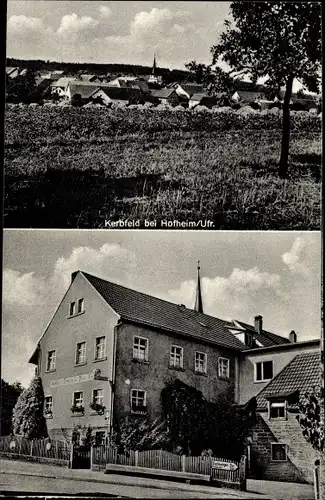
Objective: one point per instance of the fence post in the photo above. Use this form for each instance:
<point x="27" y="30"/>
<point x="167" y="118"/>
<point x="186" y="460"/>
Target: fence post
<point x="57" y="449"/>
<point x="31" y="447"/>
<point x="136" y="457"/>
<point x="91" y="456"/>
<point x="71" y="456"/>
<point x="316" y="480"/>
<point x="183" y="463"/>
<point x="242" y="473"/>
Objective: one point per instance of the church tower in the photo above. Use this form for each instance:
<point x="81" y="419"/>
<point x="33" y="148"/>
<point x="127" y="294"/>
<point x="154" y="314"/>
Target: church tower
<point x="154" y="65"/>
<point x="198" y="306"/>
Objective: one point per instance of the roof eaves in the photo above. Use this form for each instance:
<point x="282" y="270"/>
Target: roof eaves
<point x="131" y="319"/>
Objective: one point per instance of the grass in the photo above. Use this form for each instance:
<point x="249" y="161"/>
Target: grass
<point x="67" y="168"/>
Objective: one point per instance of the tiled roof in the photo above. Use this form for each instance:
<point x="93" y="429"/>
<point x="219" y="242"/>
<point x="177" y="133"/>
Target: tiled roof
<point x="265" y="338"/>
<point x="162" y="93"/>
<point x="85" y="90"/>
<point x="301" y="374"/>
<point x="249" y="96"/>
<point x="141" y="308"/>
<point x="198" y="96"/>
<point x="63" y="82"/>
<point x="121" y="93"/>
<point x="192" y="89"/>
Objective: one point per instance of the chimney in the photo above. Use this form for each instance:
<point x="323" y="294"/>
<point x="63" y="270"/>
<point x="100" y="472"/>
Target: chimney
<point x="293" y="337"/>
<point x="73" y="275"/>
<point x="258" y="324"/>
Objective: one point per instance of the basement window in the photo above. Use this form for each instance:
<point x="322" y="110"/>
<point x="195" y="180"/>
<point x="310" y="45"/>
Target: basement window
<point x="278" y="452"/>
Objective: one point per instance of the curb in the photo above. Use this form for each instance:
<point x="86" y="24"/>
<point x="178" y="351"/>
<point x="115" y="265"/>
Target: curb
<point x="92" y="480"/>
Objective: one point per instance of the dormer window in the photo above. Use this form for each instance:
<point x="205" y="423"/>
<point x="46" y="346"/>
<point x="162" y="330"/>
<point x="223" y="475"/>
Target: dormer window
<point x="277" y="410"/>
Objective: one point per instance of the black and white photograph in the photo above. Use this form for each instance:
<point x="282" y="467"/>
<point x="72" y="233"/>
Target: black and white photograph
<point x="193" y="375"/>
<point x="162" y="297"/>
<point x="163" y="115"/>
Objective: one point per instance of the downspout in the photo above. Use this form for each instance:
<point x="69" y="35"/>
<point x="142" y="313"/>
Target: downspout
<point x="237" y="385"/>
<point x="113" y="380"/>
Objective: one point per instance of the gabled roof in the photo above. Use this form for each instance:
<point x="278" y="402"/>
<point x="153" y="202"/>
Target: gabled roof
<point x="84" y="89"/>
<point x="192" y="89"/>
<point x="121" y="93"/>
<point x="144" y="309"/>
<point x="249" y="96"/>
<point x="198" y="96"/>
<point x="301" y="374"/>
<point x="265" y="338"/>
<point x="162" y="93"/>
<point x="63" y="82"/>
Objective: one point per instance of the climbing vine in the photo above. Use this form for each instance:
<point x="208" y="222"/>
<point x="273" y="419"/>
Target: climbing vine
<point x="311" y="417"/>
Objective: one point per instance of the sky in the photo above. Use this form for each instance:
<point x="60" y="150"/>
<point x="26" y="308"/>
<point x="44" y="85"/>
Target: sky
<point x="114" y="31"/>
<point x="275" y="274"/>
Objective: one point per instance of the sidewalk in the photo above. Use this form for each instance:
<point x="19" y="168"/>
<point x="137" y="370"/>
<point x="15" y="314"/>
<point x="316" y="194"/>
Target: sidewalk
<point x="54" y="472"/>
<point x="256" y="489"/>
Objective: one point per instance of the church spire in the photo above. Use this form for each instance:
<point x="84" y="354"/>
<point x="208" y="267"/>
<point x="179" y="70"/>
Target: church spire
<point x="198" y="306"/>
<point x="154" y="64"/>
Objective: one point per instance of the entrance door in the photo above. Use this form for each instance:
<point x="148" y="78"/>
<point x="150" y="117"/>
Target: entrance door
<point x="80" y="457"/>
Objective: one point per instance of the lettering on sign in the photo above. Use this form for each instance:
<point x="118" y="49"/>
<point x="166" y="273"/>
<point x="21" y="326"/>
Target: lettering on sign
<point x="224" y="465"/>
<point x="85" y="377"/>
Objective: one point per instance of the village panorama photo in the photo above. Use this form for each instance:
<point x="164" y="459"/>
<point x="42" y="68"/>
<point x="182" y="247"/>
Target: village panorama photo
<point x="141" y="377"/>
<point x="163" y="115"/>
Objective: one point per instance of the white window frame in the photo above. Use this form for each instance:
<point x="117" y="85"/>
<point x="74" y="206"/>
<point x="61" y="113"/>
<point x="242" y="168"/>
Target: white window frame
<point x="173" y="356"/>
<point x="80" y="306"/>
<point x="73" y="399"/>
<point x="49" y="367"/>
<point x="101" y="402"/>
<point x="144" y="399"/>
<point x="45" y="403"/>
<point x="146" y="351"/>
<point x="77" y="361"/>
<point x="279" y="404"/>
<point x="72" y="308"/>
<point x="221" y="360"/>
<point x="286" y="452"/>
<point x="104" y="349"/>
<point x="262" y="371"/>
<point x="197" y="368"/>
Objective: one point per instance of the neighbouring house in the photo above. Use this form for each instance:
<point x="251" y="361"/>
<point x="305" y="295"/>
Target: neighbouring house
<point x="186" y="91"/>
<point x="247" y="96"/>
<point x="60" y="87"/>
<point x="122" y="96"/>
<point x="89" y="78"/>
<point x="166" y="96"/>
<point x="108" y="350"/>
<point x="279" y="451"/>
<point x="12" y="72"/>
<point x="209" y="101"/>
<point x="130" y="82"/>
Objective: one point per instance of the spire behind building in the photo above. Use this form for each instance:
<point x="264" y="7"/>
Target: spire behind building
<point x="198" y="306"/>
<point x="154" y="64"/>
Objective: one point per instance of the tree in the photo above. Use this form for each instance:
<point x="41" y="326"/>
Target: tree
<point x="9" y="396"/>
<point x="76" y="100"/>
<point x="28" y="418"/>
<point x="277" y="40"/>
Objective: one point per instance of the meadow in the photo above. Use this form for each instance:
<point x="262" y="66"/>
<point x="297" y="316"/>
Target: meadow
<point x="78" y="167"/>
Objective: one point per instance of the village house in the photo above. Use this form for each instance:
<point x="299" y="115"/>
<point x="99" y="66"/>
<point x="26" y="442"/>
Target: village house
<point x="166" y="96"/>
<point x="60" y="87"/>
<point x="108" y="351"/>
<point x="121" y="96"/>
<point x="186" y="91"/>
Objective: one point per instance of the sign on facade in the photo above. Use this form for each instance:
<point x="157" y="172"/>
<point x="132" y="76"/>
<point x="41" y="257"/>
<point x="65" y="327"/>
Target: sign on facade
<point x="216" y="464"/>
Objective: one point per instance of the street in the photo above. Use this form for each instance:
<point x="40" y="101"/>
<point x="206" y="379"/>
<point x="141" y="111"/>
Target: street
<point x="20" y="476"/>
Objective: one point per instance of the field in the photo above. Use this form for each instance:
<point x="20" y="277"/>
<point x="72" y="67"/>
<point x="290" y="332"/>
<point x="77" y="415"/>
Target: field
<point x="77" y="168"/>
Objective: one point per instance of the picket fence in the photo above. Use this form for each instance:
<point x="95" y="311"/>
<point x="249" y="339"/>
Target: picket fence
<point x="159" y="459"/>
<point x="41" y="448"/>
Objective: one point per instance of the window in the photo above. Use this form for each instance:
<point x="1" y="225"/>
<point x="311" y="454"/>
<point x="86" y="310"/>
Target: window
<point x="48" y="405"/>
<point x="100" y="438"/>
<point x="200" y="362"/>
<point x="176" y="356"/>
<point x="140" y="348"/>
<point x="100" y="348"/>
<point x="263" y="371"/>
<point x="98" y="396"/>
<point x="72" y="308"/>
<point x="81" y="353"/>
<point x="80" y="306"/>
<point x="51" y="359"/>
<point x="277" y="410"/>
<point x="278" y="452"/>
<point x="223" y="367"/>
<point x="138" y="401"/>
<point x="78" y="399"/>
<point x="77" y="307"/>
